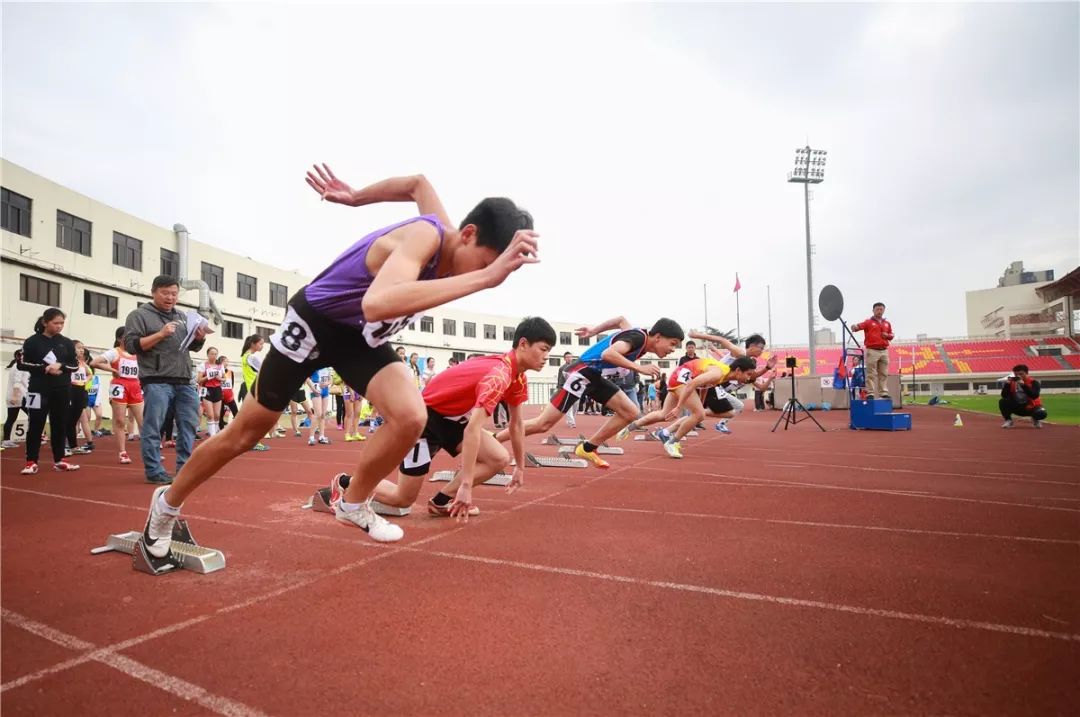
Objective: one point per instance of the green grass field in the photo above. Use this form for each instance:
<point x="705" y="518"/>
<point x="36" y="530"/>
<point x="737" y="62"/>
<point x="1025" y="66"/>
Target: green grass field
<point x="1063" y="408"/>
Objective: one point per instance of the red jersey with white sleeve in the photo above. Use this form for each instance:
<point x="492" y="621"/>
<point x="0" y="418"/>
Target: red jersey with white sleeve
<point x="124" y="386"/>
<point x="480" y="382"/>
<point x="878" y="332"/>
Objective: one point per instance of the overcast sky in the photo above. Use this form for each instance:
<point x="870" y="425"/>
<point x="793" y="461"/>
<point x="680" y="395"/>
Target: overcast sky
<point x="650" y="142"/>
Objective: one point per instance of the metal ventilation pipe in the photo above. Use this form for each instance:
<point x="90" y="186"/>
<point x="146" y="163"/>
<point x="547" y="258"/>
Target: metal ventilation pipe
<point x="206" y="302"/>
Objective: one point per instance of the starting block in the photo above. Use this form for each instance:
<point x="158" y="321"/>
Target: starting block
<point x="320" y="503"/>
<point x="499" y="479"/>
<point x="185" y="552"/>
<point x="601" y="450"/>
<point x="556" y="462"/>
<point x="554" y="440"/>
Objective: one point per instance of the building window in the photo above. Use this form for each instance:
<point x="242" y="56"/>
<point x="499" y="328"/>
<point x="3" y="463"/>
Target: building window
<point x="214" y="276"/>
<point x="470" y="330"/>
<point x="246" y="287"/>
<point x="583" y="341"/>
<point x="564" y="338"/>
<point x="279" y="295"/>
<point x="458" y="356"/>
<point x="489" y="331"/>
<point x="265" y="331"/>
<point x="39" y="291"/>
<point x="427" y="324"/>
<point x="554" y="361"/>
<point x="234" y="330"/>
<point x="508" y="333"/>
<point x="99" y="304"/>
<point x="449" y="327"/>
<point x="72" y="233"/>
<point x="126" y="251"/>
<point x="170" y="263"/>
<point x="15" y="214"/>
<point x="664" y="364"/>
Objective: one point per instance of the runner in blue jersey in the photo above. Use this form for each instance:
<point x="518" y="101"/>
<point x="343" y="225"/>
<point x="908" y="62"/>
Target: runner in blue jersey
<point x="613" y="356"/>
<point x="344" y="319"/>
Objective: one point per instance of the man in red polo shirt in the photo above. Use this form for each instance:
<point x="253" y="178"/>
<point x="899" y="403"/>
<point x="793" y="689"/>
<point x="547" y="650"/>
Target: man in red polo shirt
<point x="459" y="402"/>
<point x="878" y="335"/>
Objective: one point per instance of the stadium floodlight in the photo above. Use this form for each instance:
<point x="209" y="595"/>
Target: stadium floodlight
<point x="809" y="169"/>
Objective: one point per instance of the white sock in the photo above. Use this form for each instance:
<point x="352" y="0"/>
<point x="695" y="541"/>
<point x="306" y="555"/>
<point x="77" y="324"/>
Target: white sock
<point x="164" y="507"/>
<point x="212" y="428"/>
<point x="349" y="507"/>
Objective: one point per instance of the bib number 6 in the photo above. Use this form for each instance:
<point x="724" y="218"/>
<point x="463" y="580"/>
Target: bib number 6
<point x="576" y="384"/>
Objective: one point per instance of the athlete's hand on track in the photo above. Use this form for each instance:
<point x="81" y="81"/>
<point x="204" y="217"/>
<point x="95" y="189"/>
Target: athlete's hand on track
<point x="651" y="370"/>
<point x="328" y="186"/>
<point x="516" y="480"/>
<point x="522" y="250"/>
<point x="462" y="501"/>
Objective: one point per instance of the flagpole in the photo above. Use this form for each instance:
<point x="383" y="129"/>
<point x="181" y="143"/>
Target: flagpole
<point x="768" y="301"/>
<point x="738" y="323"/>
<point x="705" y="291"/>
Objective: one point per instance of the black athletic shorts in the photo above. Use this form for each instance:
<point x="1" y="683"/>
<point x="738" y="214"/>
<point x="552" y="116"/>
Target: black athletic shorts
<point x="299" y="396"/>
<point x="440" y="433"/>
<point x="213" y="394"/>
<point x="583" y="381"/>
<point x="715" y="404"/>
<point x="306" y="342"/>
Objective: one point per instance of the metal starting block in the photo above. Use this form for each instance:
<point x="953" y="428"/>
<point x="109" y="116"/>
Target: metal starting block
<point x="555" y="462"/>
<point x="320" y="503"/>
<point x="184" y="553"/>
<point x="601" y="450"/>
<point x="554" y="440"/>
<point x="499" y="479"/>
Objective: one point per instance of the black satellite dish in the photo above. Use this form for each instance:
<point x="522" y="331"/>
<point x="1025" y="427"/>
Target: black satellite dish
<point x="831" y="303"/>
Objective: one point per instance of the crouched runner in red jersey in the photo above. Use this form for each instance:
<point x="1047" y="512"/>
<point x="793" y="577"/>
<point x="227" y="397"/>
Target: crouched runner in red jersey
<point x="459" y="402"/>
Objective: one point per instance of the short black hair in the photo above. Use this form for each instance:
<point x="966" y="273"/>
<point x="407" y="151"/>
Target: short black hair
<point x="497" y="219"/>
<point x="689" y="344"/>
<point x="1020" y="367"/>
<point x="164" y="280"/>
<point x="533" y="329"/>
<point x="754" y="340"/>
<point x="877" y="304"/>
<point x="668" y="329"/>
<point x="743" y="363"/>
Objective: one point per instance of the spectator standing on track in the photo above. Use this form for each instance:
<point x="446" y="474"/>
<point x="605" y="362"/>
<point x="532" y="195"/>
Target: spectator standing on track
<point x="154" y="333"/>
<point x="50" y="360"/>
<point x="691" y="352"/>
<point x="878" y="335"/>
<point x="568" y="359"/>
<point x="1020" y="397"/>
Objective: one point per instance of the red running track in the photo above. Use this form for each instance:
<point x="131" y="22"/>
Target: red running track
<point x="785" y="573"/>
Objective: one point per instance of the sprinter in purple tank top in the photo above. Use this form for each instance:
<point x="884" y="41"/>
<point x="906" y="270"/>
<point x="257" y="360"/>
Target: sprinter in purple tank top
<point x="345" y="318"/>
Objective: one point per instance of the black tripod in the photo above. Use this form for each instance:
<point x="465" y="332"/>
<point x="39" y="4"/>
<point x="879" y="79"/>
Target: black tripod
<point x="790" y="413"/>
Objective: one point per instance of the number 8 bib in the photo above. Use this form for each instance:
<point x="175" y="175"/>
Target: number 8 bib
<point x="294" y="338"/>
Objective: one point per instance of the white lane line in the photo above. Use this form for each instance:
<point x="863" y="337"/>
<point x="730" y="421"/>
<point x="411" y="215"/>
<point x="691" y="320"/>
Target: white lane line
<point x="774" y="599"/>
<point x="804" y="523"/>
<point x="936" y="458"/>
<point x="828" y="486"/>
<point x="132" y="668"/>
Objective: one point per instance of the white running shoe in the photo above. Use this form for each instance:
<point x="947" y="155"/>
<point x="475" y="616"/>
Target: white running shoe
<point x="1036" y="424"/>
<point x="311" y="441"/>
<point x="157" y="535"/>
<point x="324" y="440"/>
<point x="379" y="528"/>
<point x="10" y="444"/>
<point x="571" y="423"/>
<point x="673" y="449"/>
<point x="623" y="434"/>
<point x="1007" y="424"/>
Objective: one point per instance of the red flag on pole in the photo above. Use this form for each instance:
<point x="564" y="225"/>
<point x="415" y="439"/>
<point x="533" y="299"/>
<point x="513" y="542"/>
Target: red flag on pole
<point x="737" y="284"/>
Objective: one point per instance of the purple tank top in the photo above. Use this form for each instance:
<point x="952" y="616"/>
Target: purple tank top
<point x="338" y="291"/>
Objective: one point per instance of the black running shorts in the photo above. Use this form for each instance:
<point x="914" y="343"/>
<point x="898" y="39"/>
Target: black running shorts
<point x="583" y="381"/>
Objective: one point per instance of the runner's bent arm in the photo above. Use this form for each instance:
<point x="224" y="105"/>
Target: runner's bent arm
<point x="403" y="189"/>
<point x="733" y="348"/>
<point x="619" y="322"/>
<point x="470" y="444"/>
<point x="517" y="446"/>
<point x="706" y="379"/>
<point x="397" y="292"/>
<point x="616" y="355"/>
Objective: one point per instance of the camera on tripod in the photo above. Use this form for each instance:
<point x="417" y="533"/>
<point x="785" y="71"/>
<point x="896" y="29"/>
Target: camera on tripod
<point x="791" y="362"/>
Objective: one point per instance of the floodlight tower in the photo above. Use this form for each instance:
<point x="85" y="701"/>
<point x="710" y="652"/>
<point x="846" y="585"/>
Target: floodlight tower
<point x="809" y="169"/>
